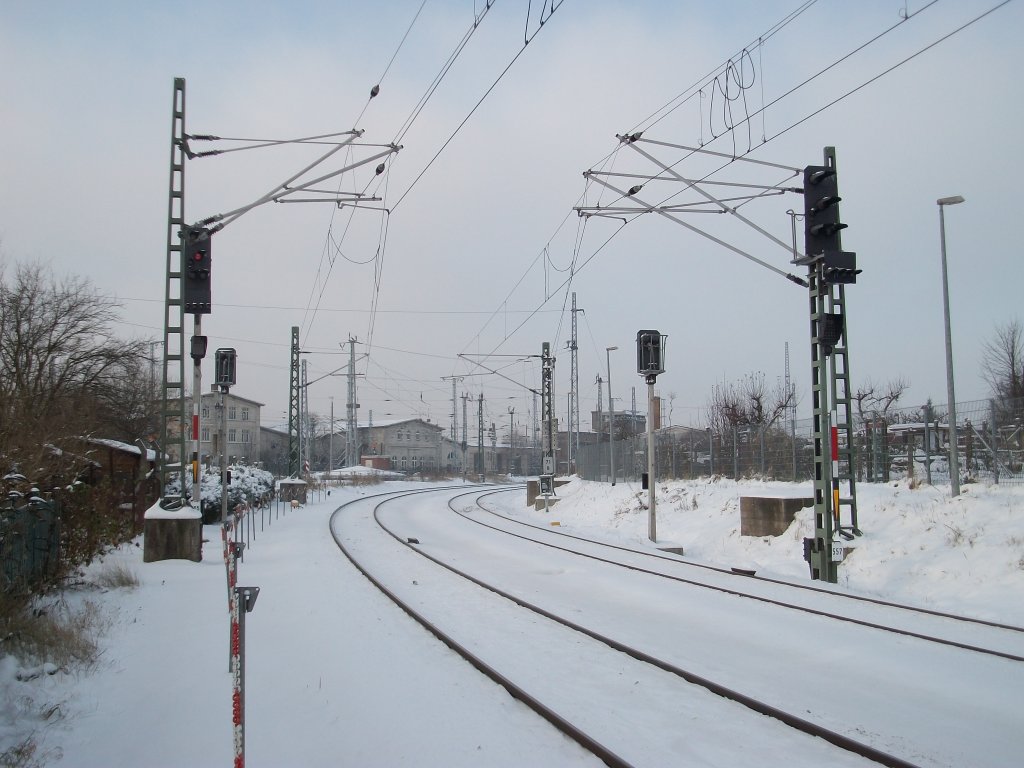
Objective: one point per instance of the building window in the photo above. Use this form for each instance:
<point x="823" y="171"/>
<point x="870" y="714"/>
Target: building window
<point x="206" y="434"/>
<point x="394" y="461"/>
<point x="232" y="412"/>
<point x="245" y="435"/>
<point x="399" y="435"/>
<point x="417" y="436"/>
<point x="206" y="411"/>
<point x="403" y="462"/>
<point x="245" y="417"/>
<point x="232" y="435"/>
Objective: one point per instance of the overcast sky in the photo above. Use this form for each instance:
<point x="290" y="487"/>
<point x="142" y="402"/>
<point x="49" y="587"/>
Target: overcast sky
<point x="476" y="254"/>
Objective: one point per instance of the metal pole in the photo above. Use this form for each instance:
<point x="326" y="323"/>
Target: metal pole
<point x="954" y="463"/>
<point x="511" y="438"/>
<point x="480" y="438"/>
<point x="245" y="599"/>
<point x="223" y="454"/>
<point x="611" y="414"/>
<point x="928" y="442"/>
<point x="711" y="453"/>
<point x="197" y="397"/>
<point x="652" y="524"/>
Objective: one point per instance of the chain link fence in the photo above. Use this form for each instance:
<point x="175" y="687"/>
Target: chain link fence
<point x="900" y="443"/>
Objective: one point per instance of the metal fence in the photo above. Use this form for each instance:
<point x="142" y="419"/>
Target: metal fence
<point x="29" y="542"/>
<point x="893" y="445"/>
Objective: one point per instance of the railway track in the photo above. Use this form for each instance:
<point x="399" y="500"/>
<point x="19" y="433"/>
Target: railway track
<point x="1006" y="640"/>
<point x="656" y="663"/>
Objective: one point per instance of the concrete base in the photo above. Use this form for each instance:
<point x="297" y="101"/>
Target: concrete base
<point x="178" y="538"/>
<point x="767" y="516"/>
<point x="292" y="490"/>
<point x="533" y="491"/>
<point x="538" y="503"/>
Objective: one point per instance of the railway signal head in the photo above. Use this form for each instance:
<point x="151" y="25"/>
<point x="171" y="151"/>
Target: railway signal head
<point x="225" y="361"/>
<point x="840" y="267"/>
<point x="821" y="210"/>
<point x="650" y="353"/>
<point x="196" y="258"/>
<point x="822" y="225"/>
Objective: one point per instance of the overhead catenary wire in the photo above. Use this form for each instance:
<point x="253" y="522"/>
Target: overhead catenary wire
<point x="379" y="257"/>
<point x="374" y="91"/>
<point x="657" y="117"/>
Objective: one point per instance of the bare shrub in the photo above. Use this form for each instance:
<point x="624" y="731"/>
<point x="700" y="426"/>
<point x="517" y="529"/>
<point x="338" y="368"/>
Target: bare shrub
<point x="25" y="754"/>
<point x="117" y="577"/>
<point x="53" y="634"/>
<point x="365" y="480"/>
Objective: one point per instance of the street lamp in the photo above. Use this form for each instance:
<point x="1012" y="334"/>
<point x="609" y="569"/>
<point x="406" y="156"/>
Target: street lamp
<point x="954" y="464"/>
<point x="611" y="413"/>
<point x="511" y="436"/>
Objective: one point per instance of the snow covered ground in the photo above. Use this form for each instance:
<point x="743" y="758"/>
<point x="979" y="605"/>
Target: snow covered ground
<point x="335" y="676"/>
<point x="963" y="555"/>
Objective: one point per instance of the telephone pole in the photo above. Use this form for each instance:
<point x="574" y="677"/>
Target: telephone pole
<point x="352" y="428"/>
<point x="293" y="406"/>
<point x="465" y="430"/>
<point x="480" y="439"/>
<point x="455" y="404"/>
<point x="304" y="420"/>
<point x="511" y="436"/>
<point x="574" y="389"/>
<point x="548" y="434"/>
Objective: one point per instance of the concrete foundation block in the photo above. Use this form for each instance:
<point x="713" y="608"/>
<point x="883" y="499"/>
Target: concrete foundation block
<point x="179" y="538"/>
<point x="769" y="516"/>
<point x="533" y="491"/>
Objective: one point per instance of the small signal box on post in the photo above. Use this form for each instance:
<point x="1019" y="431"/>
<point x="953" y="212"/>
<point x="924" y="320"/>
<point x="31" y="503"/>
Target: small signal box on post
<point x="225" y="360"/>
<point x="650" y="353"/>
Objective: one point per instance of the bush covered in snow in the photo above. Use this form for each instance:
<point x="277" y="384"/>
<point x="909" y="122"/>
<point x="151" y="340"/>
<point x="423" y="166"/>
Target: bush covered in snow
<point x="248" y="485"/>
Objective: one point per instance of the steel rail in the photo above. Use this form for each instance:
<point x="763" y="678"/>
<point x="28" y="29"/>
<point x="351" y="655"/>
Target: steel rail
<point x="793" y="721"/>
<point x="562" y="724"/>
<point x="764" y="579"/>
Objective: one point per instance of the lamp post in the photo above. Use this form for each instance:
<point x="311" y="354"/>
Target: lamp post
<point x="511" y="436"/>
<point x="611" y="414"/>
<point x="954" y="464"/>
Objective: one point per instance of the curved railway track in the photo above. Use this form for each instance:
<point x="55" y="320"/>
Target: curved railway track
<point x="550" y="713"/>
<point x="518" y="692"/>
<point x="736" y="578"/>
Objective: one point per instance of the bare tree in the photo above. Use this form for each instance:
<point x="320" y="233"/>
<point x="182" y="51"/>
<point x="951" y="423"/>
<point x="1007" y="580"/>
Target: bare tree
<point x="876" y="400"/>
<point x="749" y="401"/>
<point x="61" y="366"/>
<point x="1002" y="361"/>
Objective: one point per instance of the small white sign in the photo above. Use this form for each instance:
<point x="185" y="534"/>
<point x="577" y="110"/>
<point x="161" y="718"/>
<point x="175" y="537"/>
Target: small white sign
<point x="838" y="551"/>
<point x="548" y="467"/>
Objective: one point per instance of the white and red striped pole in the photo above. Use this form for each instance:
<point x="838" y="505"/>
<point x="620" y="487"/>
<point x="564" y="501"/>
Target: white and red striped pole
<point x="835" y="467"/>
<point x="244" y="600"/>
<point x="237" y="683"/>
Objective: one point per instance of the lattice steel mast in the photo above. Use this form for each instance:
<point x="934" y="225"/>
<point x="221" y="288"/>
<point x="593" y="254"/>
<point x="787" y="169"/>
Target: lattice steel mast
<point x="173" y="421"/>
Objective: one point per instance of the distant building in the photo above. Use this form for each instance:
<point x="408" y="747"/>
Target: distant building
<point x="627" y="423"/>
<point x="242" y="443"/>
<point x="411" y="445"/>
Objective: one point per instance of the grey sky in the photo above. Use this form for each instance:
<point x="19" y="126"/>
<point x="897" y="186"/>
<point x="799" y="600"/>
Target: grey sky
<point x="87" y="97"/>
